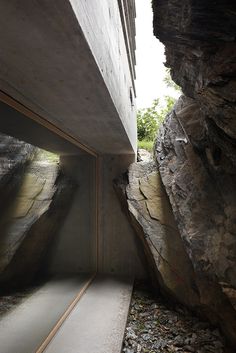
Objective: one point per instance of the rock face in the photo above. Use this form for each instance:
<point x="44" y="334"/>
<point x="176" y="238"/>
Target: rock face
<point x="201" y="202"/>
<point x="196" y="147"/>
<point x="193" y="254"/>
<point x="35" y="198"/>
<point x="181" y="254"/>
<point x="199" y="39"/>
<point x="14" y="156"/>
<point x="144" y="196"/>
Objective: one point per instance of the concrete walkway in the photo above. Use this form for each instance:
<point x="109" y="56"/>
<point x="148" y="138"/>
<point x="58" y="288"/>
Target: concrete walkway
<point x="24" y="329"/>
<point x="95" y="325"/>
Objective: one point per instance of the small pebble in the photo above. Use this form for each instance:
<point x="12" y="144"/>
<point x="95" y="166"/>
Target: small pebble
<point x="153" y="327"/>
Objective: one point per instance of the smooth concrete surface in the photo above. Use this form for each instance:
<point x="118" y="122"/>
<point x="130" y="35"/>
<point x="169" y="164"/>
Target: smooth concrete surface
<point x="120" y="250"/>
<point x="15" y="124"/>
<point x="74" y="248"/>
<point x="97" y="323"/>
<point x="66" y="60"/>
<point x="24" y="328"/>
<point x="128" y="14"/>
<point x="101" y="23"/>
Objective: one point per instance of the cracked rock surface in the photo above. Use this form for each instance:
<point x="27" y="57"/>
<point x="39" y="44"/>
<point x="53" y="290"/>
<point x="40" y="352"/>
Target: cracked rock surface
<point x="150" y="213"/>
<point x="164" y="217"/>
<point x="34" y="194"/>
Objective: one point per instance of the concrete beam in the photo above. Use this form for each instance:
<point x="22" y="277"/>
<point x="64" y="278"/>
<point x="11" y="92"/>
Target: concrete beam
<point x="67" y="61"/>
<point x="16" y="124"/>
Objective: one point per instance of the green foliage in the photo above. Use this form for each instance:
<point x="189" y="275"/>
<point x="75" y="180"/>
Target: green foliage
<point x="149" y="119"/>
<point x="147" y="122"/>
<point x="146" y="145"/>
<point x="169" y="82"/>
<point x="169" y="103"/>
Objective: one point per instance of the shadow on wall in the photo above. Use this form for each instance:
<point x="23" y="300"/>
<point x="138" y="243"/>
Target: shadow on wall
<point x="34" y="200"/>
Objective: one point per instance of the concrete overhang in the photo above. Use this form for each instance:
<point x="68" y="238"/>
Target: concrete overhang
<point x="17" y="124"/>
<point x="64" y="61"/>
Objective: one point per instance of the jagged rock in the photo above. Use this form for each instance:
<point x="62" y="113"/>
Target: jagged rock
<point x="13" y="153"/>
<point x="196" y="147"/>
<point x="199" y="39"/>
<point x="180" y="257"/>
<point x="151" y="216"/>
<point x="143" y="155"/>
<point x="199" y="198"/>
<point x="14" y="156"/>
<point x="178" y="263"/>
<point x="34" y="211"/>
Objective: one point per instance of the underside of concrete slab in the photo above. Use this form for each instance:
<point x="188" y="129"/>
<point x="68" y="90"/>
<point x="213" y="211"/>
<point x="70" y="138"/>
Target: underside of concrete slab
<point x="67" y="62"/>
<point x="17" y="124"/>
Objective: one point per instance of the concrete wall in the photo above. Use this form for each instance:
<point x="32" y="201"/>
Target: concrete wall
<point x="67" y="61"/>
<point x="128" y="15"/>
<point x="102" y="26"/>
<point x="120" y="251"/>
<point x="74" y="250"/>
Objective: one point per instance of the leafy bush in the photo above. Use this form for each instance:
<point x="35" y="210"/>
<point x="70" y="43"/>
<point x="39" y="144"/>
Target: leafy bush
<point x="170" y="83"/>
<point x="146" y="145"/>
<point x="149" y="119"/>
<point x="147" y="122"/>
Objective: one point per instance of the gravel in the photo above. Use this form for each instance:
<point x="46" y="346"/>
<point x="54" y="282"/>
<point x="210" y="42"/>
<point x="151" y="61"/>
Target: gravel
<point x="155" y="327"/>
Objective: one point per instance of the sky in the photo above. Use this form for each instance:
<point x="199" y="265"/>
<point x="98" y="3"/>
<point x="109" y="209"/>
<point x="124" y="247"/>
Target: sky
<point x="150" y="70"/>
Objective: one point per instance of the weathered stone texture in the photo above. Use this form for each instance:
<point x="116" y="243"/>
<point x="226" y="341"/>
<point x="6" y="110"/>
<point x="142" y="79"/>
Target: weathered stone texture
<point x="196" y="146"/>
<point x="199" y="38"/>
<point x="151" y="216"/>
<point x="14" y="156"/>
<point x="36" y="198"/>
<point x="200" y="199"/>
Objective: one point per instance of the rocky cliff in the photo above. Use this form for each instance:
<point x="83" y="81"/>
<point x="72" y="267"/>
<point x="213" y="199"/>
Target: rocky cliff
<point x="34" y="198"/>
<point x="196" y="146"/>
<point x="195" y="158"/>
